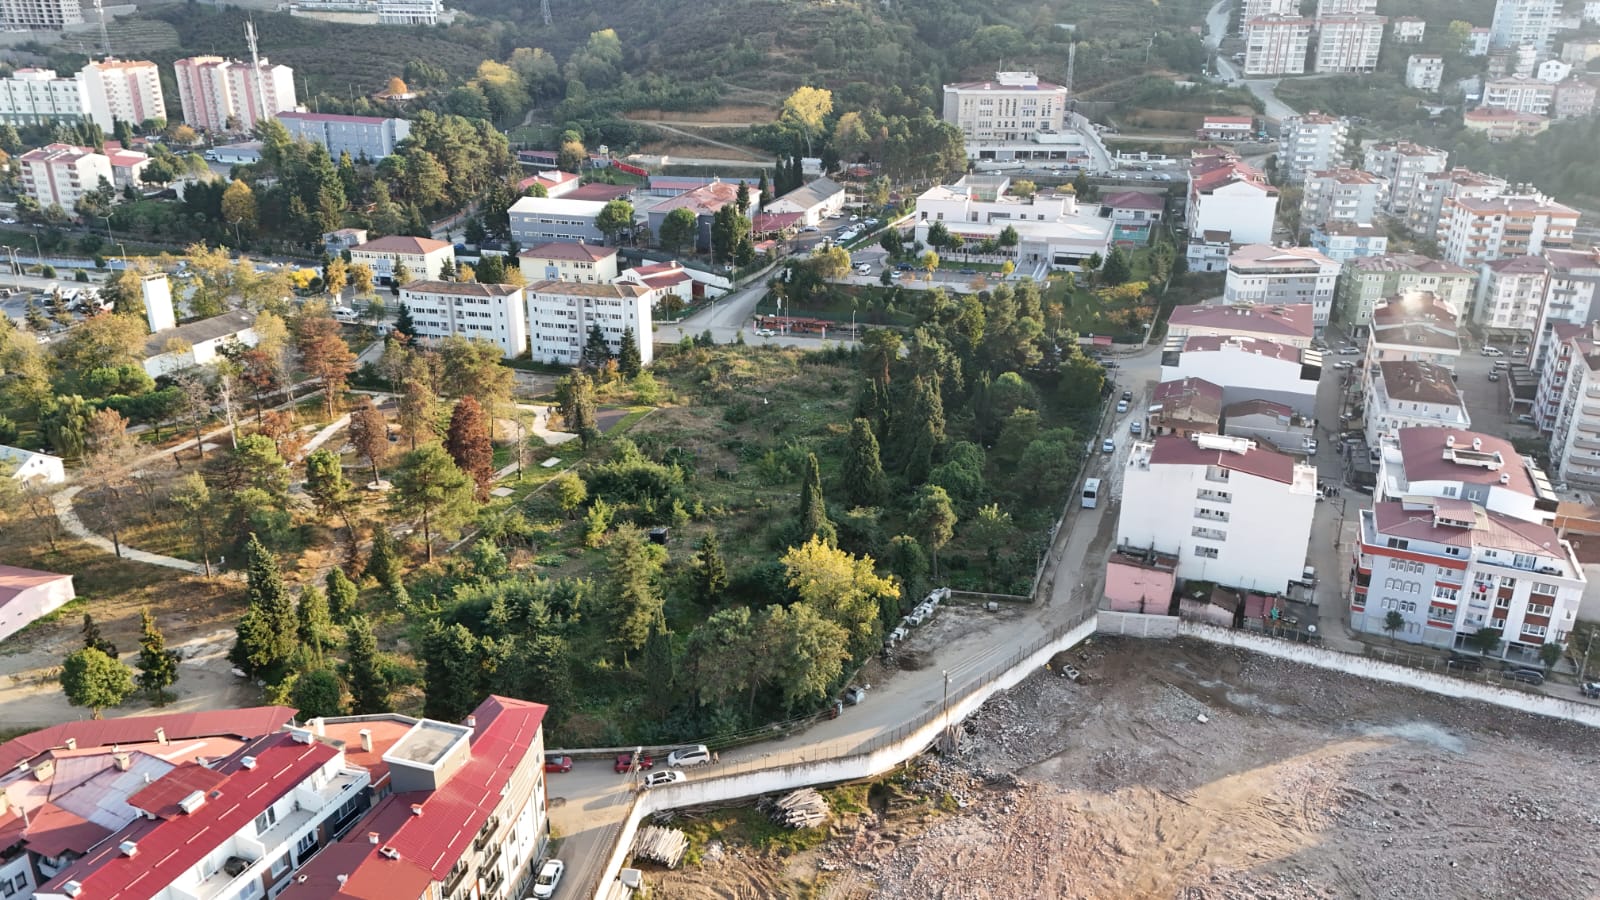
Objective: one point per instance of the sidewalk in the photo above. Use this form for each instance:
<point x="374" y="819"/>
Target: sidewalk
<point x="62" y="500"/>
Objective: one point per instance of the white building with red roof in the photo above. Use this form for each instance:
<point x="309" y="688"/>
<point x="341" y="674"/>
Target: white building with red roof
<point x="1410" y="394"/>
<point x="1232" y="512"/>
<point x="28" y="594"/>
<point x="1450" y="567"/>
<point x="1226" y="128"/>
<point x="127" y="166"/>
<point x="561" y="315"/>
<point x="1464" y="465"/>
<point x="1014" y="106"/>
<point x="423" y="258"/>
<point x="1416" y="326"/>
<point x="1229" y="200"/>
<point x="481" y="312"/>
<point x="662" y="280"/>
<point x="1133" y="209"/>
<point x="1287" y="324"/>
<point x="564" y="261"/>
<point x="555" y="182"/>
<point x="1247" y="368"/>
<point x="1262" y="274"/>
<point x="58" y="174"/>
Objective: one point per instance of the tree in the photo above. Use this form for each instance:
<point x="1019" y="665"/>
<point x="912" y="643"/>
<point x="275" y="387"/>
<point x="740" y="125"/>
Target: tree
<point x="429" y="485"/>
<point x="710" y="571"/>
<point x="384" y="563"/>
<point x="830" y="262"/>
<point x="862" y="477"/>
<point x="467" y="442"/>
<point x="679" y="229"/>
<point x="909" y="563"/>
<point x="633" y="565"/>
<point x="239" y="206"/>
<point x="842" y="588"/>
<point x="91" y="678"/>
<point x="318" y="694"/>
<point x="615" y="220"/>
<point x="343" y="596"/>
<point x="1484" y="640"/>
<point x="1008" y="237"/>
<point x="158" y="666"/>
<point x="418" y="410"/>
<point x="361" y="280"/>
<point x="453" y="673"/>
<point x="808" y="651"/>
<point x="267" y="633"/>
<point x="1393" y="622"/>
<point x="805" y="110"/>
<point x="369" y="687"/>
<point x="1117" y="268"/>
<point x="325" y="356"/>
<point x="93" y="640"/>
<point x="335" y="276"/>
<point x="813" y="508"/>
<point x="369" y="433"/>
<point x="327" y="486"/>
<point x="313" y="621"/>
<point x="629" y="362"/>
<point x="935" y="519"/>
<point x="575" y="400"/>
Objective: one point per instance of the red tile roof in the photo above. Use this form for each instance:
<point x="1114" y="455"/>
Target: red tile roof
<point x="764" y="222"/>
<point x="568" y="250"/>
<point x="1259" y="407"/>
<point x="1173" y="450"/>
<point x="399" y="243"/>
<point x="599" y="190"/>
<point x="1489" y="529"/>
<point x="1423" y="451"/>
<point x="1210" y="343"/>
<point x="161" y="797"/>
<point x="1293" y="320"/>
<point x="386" y="730"/>
<point x="702" y="201"/>
<point x="52" y="831"/>
<point x="1133" y="200"/>
<point x="250" y="722"/>
<point x="15" y="579"/>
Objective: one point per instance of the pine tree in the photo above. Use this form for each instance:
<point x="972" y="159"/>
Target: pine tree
<point x="158" y="666"/>
<point x="711" y="572"/>
<point x="312" y="619"/>
<point x="595" y="351"/>
<point x="467" y="442"/>
<point x="813" y="508"/>
<point x="764" y="188"/>
<point x="384" y="564"/>
<point x="629" y="362"/>
<point x="343" y="595"/>
<point x="864" y="482"/>
<point x="267" y="633"/>
<point x="93" y="640"/>
<point x="452" y="672"/>
<point x="404" y="325"/>
<point x="369" y="687"/>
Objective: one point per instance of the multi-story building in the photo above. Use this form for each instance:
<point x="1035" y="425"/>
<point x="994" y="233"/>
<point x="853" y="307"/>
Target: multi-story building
<point x="1311" y="143"/>
<point x="1409" y="29"/>
<point x="1276" y="45"/>
<point x="705" y="200"/>
<point x="1504" y="124"/>
<point x="1411" y="394"/>
<point x="1450" y="568"/>
<point x="220" y="94"/>
<point x="363" y="137"/>
<point x="1562" y="348"/>
<point x="58" y="174"/>
<point x="1290" y="325"/>
<point x="1269" y="424"/>
<point x="1479" y="231"/>
<point x="1255" y="9"/>
<point x="40" y="97"/>
<point x="1343" y="241"/>
<point x="1403" y="165"/>
<point x="1052" y="228"/>
<point x="1015" y="106"/>
<point x="122" y="90"/>
<point x="1365" y="283"/>
<point x="1415" y="326"/>
<point x="1230" y="202"/>
<point x="1511" y="295"/>
<point x="1342" y="195"/>
<point x="410" y="12"/>
<point x="496" y="313"/>
<point x="1326" y="8"/>
<point x="1266" y="275"/>
<point x="1425" y="211"/>
<point x="1478" y="42"/>
<point x="1425" y="72"/>
<point x="1452" y="464"/>
<point x="40" y="15"/>
<point x="1247" y="369"/>
<point x="1552" y="70"/>
<point x="569" y="262"/>
<point x="1569" y="298"/>
<point x="1185" y="406"/>
<point x="1226" y="128"/>
<point x="561" y="314"/>
<point x="1519" y="94"/>
<point x="540" y="220"/>
<point x="1349" y="43"/>
<point x="1574" y="99"/>
<point x="1520" y="22"/>
<point x="1233" y="512"/>
<point x="1574" y="414"/>
<point x="423" y="258"/>
<point x="127" y="166"/>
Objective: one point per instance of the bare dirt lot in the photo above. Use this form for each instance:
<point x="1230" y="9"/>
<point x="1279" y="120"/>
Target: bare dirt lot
<point x="1299" y="784"/>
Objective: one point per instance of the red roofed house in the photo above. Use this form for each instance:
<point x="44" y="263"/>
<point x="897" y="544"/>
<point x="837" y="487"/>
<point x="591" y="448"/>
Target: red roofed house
<point x="1465" y="465"/>
<point x="423" y="257"/>
<point x="1134" y="212"/>
<point x="555" y="183"/>
<point x="1247" y="369"/>
<point x="1228" y="200"/>
<point x="663" y="280"/>
<point x="704" y="201"/>
<point x="1185" y="406"/>
<point x="1231" y="511"/>
<point x="58" y="174"/>
<point x="1226" y="128"/>
<point x="27" y="594"/>
<point x="127" y="166"/>
<point x="564" y="261"/>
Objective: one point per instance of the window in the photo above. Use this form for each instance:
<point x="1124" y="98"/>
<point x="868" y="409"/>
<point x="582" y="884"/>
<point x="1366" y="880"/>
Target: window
<point x="305" y="843"/>
<point x="1533" y="630"/>
<point x="1540" y="587"/>
<point x="1206" y="552"/>
<point x="1539" y="609"/>
<point x="280" y="865"/>
<point x="1444" y="593"/>
<point x="266" y="820"/>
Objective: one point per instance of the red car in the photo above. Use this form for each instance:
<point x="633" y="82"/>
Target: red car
<point x="558" y="764"/>
<point x="625" y="762"/>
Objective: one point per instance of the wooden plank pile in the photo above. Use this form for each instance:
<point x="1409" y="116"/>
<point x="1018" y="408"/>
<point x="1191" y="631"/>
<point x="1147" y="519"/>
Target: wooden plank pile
<point x="804" y="808"/>
<point x="664" y="845"/>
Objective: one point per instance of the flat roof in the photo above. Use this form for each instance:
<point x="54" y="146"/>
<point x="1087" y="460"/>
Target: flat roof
<point x="427" y="743"/>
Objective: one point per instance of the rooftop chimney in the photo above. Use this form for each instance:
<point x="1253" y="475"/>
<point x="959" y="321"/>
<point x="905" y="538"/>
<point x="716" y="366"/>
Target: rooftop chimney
<point x="416" y="809"/>
<point x="123" y="761"/>
<point x="1449" y="440"/>
<point x="44" y="770"/>
<point x="161" y="736"/>
<point x="249" y="762"/>
<point x="366" y="739"/>
<point x="72" y="743"/>
<point x="472" y="721"/>
<point x="1477" y="443"/>
<point x="128" y="848"/>
<point x="343" y="878"/>
<point x="372" y="837"/>
<point x="319" y="725"/>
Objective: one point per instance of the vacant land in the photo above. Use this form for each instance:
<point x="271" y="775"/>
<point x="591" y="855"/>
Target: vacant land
<point x="1295" y="784"/>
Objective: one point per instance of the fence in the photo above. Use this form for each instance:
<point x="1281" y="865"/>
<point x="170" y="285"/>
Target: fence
<point x="1138" y="625"/>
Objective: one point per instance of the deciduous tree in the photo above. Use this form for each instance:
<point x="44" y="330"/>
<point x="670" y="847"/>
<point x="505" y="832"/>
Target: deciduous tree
<point x="318" y="694"/>
<point x="467" y="442"/>
<point x="325" y="356"/>
<point x="679" y="229"/>
<point x="369" y="433"/>
<point x="841" y="587"/>
<point x="615" y="221"/>
<point x="935" y="520"/>
<point x="91" y="678"/>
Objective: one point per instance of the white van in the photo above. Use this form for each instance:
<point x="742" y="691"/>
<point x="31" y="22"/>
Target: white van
<point x="697" y="755"/>
<point x="864" y="269"/>
<point x="1091" y="493"/>
<point x="346" y="315"/>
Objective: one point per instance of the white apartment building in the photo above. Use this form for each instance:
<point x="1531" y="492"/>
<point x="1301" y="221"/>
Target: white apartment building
<point x="561" y="314"/>
<point x="1479" y="231"/>
<point x="1425" y="210"/>
<point x="1409" y="394"/>
<point x="220" y="94"/>
<point x="1403" y="165"/>
<point x="1015" y="106"/>
<point x="410" y="12"/>
<point x="1563" y="348"/>
<point x="1231" y="511"/>
<point x="1283" y="324"/>
<point x="1519" y="93"/>
<point x="1364" y="284"/>
<point x="540" y="220"/>
<point x="1229" y="202"/>
<point x="1311" y="143"/>
<point x="424" y="258"/>
<point x="1343" y="241"/>
<point x="496" y="313"/>
<point x="1409" y="29"/>
<point x="59" y="174"/>
<point x="1453" y="464"/>
<point x="1051" y="227"/>
<point x="122" y="90"/>
<point x="1255" y="9"/>
<point x="1265" y="275"/>
<point x="1511" y="294"/>
<point x="1276" y="45"/>
<point x="1247" y="369"/>
<point x="1349" y="43"/>
<point x="1415" y="326"/>
<point x="1569" y="299"/>
<point x="1342" y="195"/>
<point x="1519" y="22"/>
<point x="40" y="15"/>
<point x="1553" y="70"/>
<point x="1478" y="42"/>
<point x="40" y="97"/>
<point x="1451" y="568"/>
<point x="1425" y="72"/>
<point x="363" y="137"/>
<point x="1326" y="8"/>
<point x="562" y="261"/>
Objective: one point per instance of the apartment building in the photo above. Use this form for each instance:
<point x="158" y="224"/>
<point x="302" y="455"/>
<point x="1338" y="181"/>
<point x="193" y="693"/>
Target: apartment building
<point x="1451" y="568"/>
<point x="223" y="95"/>
<point x="423" y="258"/>
<point x="40" y="15"/>
<point x="1232" y="512"/>
<point x="1014" y="106"/>
<point x="1290" y="325"/>
<point x="1425" y="210"/>
<point x="1311" y="143"/>
<point x="1247" y="369"/>
<point x="1411" y="394"/>
<point x="663" y="280"/>
<point x="1574" y="412"/>
<point x="1052" y="228"/>
<point x="1483" y="230"/>
<point x="1519" y="93"/>
<point x="1230" y="202"/>
<point x="561" y="314"/>
<point x="1524" y="22"/>
<point x="1510" y="295"/>
<point x="496" y="313"/>
<point x="59" y="174"/>
<point x="1425" y="72"/>
<point x="122" y="90"/>
<point x="1560" y="349"/>
<point x="368" y="138"/>
<point x="1344" y="241"/>
<point x="569" y="262"/>
<point x="41" y="97"/>
<point x="1454" y="464"/>
<point x="410" y="12"/>
<point x="1255" y="9"/>
<point x="1226" y="128"/>
<point x="1404" y="165"/>
<point x="1349" y="43"/>
<point x="127" y="166"/>
<point x="1569" y="298"/>
<point x="1408" y="29"/>
<point x="1574" y="99"/>
<point x="1366" y="283"/>
<point x="1265" y="275"/>
<point x="1185" y="406"/>
<point x="1326" y="8"/>
<point x="1269" y="424"/>
<point x="1276" y="45"/>
<point x="1342" y="195"/>
<point x="1414" y="326"/>
<point x="540" y="220"/>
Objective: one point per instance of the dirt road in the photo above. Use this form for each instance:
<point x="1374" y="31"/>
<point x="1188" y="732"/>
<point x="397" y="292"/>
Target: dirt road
<point x="1297" y="784"/>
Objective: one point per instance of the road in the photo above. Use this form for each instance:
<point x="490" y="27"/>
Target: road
<point x="1216" y="28"/>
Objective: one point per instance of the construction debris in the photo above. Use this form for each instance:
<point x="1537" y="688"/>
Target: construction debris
<point x="804" y="808"/>
<point x="664" y="845"/>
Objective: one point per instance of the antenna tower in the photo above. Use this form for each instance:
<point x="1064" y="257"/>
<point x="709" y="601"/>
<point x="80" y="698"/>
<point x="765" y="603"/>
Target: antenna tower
<point x="105" y="38"/>
<point x="544" y="9"/>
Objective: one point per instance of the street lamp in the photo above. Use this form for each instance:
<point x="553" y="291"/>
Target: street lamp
<point x="38" y="255"/>
<point x="109" y="235"/>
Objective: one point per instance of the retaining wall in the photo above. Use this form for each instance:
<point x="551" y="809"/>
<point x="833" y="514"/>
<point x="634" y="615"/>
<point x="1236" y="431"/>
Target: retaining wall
<point x="1139" y="625"/>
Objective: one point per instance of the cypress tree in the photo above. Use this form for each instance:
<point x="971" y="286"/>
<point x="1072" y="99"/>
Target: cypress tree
<point x="312" y="619"/>
<point x="267" y="634"/>
<point x="342" y="596"/>
<point x="864" y="482"/>
<point x="629" y="362"/>
<point x="711" y="572"/>
<point x="93" y="640"/>
<point x="158" y="666"/>
<point x="384" y="564"/>
<point x="369" y="688"/>
<point x="813" y="508"/>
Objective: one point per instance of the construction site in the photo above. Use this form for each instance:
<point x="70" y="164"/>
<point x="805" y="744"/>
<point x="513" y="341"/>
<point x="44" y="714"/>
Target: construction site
<point x="1183" y="769"/>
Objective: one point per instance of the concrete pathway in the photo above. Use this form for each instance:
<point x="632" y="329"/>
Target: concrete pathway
<point x="68" y="516"/>
<point x="325" y="434"/>
<point x="541" y="426"/>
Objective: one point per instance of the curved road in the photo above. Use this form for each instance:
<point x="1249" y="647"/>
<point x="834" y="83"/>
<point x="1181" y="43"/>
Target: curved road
<point x="1216" y="28"/>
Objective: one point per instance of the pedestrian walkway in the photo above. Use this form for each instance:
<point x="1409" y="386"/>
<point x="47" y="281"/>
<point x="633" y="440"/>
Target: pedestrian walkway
<point x="62" y="500"/>
<point x="322" y="436"/>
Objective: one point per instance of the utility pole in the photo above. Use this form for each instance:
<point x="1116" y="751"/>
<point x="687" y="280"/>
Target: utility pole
<point x="544" y="10"/>
<point x="255" y="71"/>
<point x="105" y="39"/>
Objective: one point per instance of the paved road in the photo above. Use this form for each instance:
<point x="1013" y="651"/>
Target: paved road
<point x="1216" y="28"/>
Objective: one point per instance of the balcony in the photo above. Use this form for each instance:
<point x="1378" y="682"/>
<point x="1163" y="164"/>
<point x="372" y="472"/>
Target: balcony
<point x="1211" y="496"/>
<point x="1211" y="515"/>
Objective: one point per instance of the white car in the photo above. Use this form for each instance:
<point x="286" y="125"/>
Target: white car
<point x="549" y="877"/>
<point x="697" y="755"/>
<point x="668" y="776"/>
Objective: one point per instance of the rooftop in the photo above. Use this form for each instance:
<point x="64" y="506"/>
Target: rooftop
<point x="249" y="722"/>
<point x="1293" y="320"/>
<point x="1407" y="262"/>
<point x="557" y="206"/>
<point x="1341" y="228"/>
<point x="1519" y="265"/>
<point x="704" y="200"/>
<point x="1449" y="455"/>
<point x="399" y="243"/>
<point x="15" y="579"/>
<point x="1253" y="459"/>
<point x="1345" y="175"/>
<point x="567" y="250"/>
<point x="1133" y="200"/>
<point x="1266" y="256"/>
<point x="462" y="288"/>
<point x="383" y="730"/>
<point x="1258" y="407"/>
<point x="600" y="191"/>
<point x="1214" y="343"/>
<point x="813" y="192"/>
<point x="57" y="153"/>
<point x="1461" y="524"/>
<point x="427" y="743"/>
<point x="199" y="332"/>
<point x="1228" y="120"/>
<point x="1188" y="399"/>
<point x="1419" y="382"/>
<point x="331" y="117"/>
<point x="585" y="289"/>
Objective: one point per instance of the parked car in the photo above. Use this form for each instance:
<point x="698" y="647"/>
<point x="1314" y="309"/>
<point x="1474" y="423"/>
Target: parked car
<point x="1494" y="376"/>
<point x="697" y="755"/>
<point x="1349" y="351"/>
<point x="1464" y="663"/>
<point x="1526" y="419"/>
<point x="669" y="776"/>
<point x="1526" y="676"/>
<point x="1590" y="688"/>
<point x="765" y="332"/>
<point x="1136" y="429"/>
<point x="810" y="228"/>
<point x="625" y="761"/>
<point x="1127" y="396"/>
<point x="1122" y="406"/>
<point x="1520" y="351"/>
<point x="1108" y="446"/>
<point x="1491" y="351"/>
<point x="558" y="764"/>
<point x="902" y="267"/>
<point x="549" y="877"/>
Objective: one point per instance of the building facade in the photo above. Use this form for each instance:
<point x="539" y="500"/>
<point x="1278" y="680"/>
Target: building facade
<point x="1480" y="231"/>
<point x="122" y="90"/>
<point x="41" y="97"/>
<point x="1015" y="106"/>
<point x="1425" y="72"/>
<point x="1051" y="227"/>
<point x="541" y="220"/>
<point x="569" y="262"/>
<point x="40" y="15"/>
<point x="1229" y="202"/>
<point x="1342" y="195"/>
<point x="1365" y="283"/>
<point x="1276" y="45"/>
<point x="1415" y="326"/>
<point x="59" y="174"/>
<point x="1349" y="43"/>
<point x="1425" y="210"/>
<point x="410" y="12"/>
<point x="496" y="313"/>
<point x="1311" y="143"/>
<point x="1511" y="294"/>
<point x="1403" y="165"/>
<point x="1265" y="275"/>
<point x="1344" y="241"/>
<point x="1519" y="94"/>
<point x="1561" y="349"/>
<point x="1572" y="409"/>
<point x="363" y="137"/>
<point x="423" y="258"/>
<point x="1247" y="369"/>
<point x="1519" y="22"/>
<point x="221" y="95"/>
<point x="1411" y="394"/>
<point x="562" y="313"/>
<point x="1569" y="298"/>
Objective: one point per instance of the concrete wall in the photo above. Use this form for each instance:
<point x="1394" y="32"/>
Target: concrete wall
<point x="1137" y="625"/>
